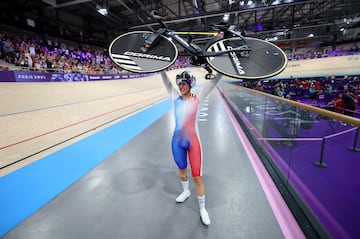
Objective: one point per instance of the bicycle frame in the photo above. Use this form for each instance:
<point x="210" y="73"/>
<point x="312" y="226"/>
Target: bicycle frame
<point x="190" y="47"/>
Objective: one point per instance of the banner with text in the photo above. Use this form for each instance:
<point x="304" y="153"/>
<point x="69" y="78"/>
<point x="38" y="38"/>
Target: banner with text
<point x="32" y="76"/>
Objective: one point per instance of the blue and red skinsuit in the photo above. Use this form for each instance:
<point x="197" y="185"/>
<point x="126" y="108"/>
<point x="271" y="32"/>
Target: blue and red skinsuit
<point x="185" y="140"/>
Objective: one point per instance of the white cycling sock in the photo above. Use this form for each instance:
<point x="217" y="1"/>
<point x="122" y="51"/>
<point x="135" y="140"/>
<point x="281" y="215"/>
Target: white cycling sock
<point x="201" y="200"/>
<point x="185" y="185"/>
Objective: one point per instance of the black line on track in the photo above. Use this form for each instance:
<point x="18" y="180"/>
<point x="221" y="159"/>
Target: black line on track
<point x="67" y="104"/>
<point x="66" y="140"/>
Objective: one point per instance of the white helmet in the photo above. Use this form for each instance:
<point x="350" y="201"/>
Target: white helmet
<point x="186" y="76"/>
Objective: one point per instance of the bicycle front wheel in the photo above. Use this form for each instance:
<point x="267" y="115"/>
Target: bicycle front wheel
<point x="125" y="51"/>
<point x="262" y="60"/>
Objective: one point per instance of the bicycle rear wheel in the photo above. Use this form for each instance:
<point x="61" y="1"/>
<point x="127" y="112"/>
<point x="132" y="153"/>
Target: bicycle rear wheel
<point x="264" y="59"/>
<point x="125" y="51"/>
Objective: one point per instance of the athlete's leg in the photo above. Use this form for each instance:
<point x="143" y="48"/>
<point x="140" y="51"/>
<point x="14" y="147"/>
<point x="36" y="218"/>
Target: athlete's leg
<point x="183" y="174"/>
<point x="199" y="186"/>
<point x="195" y="158"/>
<point x="184" y="179"/>
<point x="179" y="152"/>
<point x="180" y="157"/>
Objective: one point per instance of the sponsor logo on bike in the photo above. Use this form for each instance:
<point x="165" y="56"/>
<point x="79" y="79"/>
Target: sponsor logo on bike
<point x="148" y="56"/>
<point x="236" y="61"/>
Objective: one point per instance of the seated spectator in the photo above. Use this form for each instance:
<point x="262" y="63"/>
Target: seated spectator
<point x="355" y="97"/>
<point x="337" y="103"/>
<point x="259" y="86"/>
<point x="349" y="103"/>
<point x="312" y="95"/>
<point x="23" y="61"/>
<point x="279" y="91"/>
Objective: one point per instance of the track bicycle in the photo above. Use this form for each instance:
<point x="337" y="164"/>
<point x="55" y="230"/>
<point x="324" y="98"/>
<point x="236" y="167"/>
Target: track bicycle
<point x="227" y="52"/>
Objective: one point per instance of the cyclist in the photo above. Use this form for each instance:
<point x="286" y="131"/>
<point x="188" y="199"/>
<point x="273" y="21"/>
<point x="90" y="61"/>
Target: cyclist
<point x="185" y="140"/>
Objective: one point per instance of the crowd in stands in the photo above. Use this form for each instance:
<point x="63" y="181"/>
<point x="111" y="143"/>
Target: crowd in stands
<point x="33" y="54"/>
<point x="338" y="93"/>
<point x="38" y="55"/>
<point x="323" y="52"/>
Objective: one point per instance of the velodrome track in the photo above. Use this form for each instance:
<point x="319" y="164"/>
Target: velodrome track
<point x="131" y="192"/>
<point x="38" y="118"/>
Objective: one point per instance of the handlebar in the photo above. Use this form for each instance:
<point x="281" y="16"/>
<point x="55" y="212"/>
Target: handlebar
<point x="222" y="26"/>
<point x="154" y="14"/>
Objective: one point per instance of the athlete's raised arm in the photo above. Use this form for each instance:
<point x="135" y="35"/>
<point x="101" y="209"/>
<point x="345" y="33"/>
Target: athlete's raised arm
<point x="169" y="87"/>
<point x="209" y="86"/>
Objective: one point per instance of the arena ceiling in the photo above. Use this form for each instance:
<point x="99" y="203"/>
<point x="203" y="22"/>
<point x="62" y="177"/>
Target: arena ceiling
<point x="327" y="21"/>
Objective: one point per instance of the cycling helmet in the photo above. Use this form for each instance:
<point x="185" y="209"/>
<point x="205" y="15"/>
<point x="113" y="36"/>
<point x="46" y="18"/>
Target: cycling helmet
<point x="186" y="76"/>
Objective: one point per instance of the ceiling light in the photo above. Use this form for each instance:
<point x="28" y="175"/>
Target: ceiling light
<point x="275" y="38"/>
<point x="102" y="11"/>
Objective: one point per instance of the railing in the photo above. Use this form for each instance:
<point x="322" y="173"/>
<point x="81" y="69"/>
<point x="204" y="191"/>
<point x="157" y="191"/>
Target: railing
<point x="312" y="155"/>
